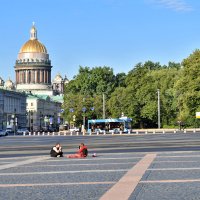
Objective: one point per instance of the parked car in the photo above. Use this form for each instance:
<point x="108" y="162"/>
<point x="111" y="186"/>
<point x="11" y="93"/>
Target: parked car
<point x="22" y="131"/>
<point x="98" y="130"/>
<point x="9" y="130"/>
<point x="3" y="133"/>
<point x="115" y="130"/>
<point x="74" y="129"/>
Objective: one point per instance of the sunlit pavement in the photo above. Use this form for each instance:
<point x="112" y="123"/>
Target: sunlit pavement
<point x="144" y="175"/>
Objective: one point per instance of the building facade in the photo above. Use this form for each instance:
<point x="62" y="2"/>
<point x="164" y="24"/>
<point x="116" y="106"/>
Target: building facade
<point x="12" y="109"/>
<point x="43" y="112"/>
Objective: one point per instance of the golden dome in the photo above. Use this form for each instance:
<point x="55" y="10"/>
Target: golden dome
<point x="33" y="46"/>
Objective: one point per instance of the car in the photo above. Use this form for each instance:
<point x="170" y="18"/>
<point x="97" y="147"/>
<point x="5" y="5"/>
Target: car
<point x="3" y="133"/>
<point x="74" y="129"/>
<point x="9" y="130"/>
<point x="98" y="130"/>
<point x="22" y="131"/>
<point x="115" y="130"/>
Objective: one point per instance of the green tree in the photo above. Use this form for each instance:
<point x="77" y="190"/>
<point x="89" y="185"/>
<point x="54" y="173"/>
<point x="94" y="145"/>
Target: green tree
<point x="188" y="89"/>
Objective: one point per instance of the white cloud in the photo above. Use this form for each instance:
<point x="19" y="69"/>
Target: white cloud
<point x="177" y="5"/>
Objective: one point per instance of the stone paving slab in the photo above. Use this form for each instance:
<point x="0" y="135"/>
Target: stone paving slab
<point x="55" y="192"/>
<point x="172" y="174"/>
<point x="175" y="164"/>
<point x="62" y="177"/>
<point x="88" y="161"/>
<point x="77" y="167"/>
<point x="166" y="191"/>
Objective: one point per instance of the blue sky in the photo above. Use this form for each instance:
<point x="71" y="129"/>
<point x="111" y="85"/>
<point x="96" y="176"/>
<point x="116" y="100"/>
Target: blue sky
<point x="115" y="33"/>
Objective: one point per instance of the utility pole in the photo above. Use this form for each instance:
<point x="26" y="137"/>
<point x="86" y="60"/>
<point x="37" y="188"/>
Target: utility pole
<point x="158" y="91"/>
<point x="104" y="112"/>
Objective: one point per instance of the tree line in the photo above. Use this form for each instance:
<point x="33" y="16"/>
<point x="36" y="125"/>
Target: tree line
<point x="135" y="94"/>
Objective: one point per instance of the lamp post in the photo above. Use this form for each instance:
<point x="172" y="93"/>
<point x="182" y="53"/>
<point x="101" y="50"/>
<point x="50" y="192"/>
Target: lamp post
<point x="14" y="120"/>
<point x="158" y="91"/>
<point x="84" y="110"/>
<point x="41" y="116"/>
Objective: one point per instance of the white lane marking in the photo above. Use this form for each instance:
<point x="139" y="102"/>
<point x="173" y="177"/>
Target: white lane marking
<point x="127" y="184"/>
<point x="63" y="172"/>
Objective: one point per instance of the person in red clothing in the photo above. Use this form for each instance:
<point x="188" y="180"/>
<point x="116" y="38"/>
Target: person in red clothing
<point x="82" y="152"/>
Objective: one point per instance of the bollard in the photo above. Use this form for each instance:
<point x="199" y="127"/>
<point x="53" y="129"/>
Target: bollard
<point x="163" y="132"/>
<point x="90" y="132"/>
<point x="24" y="134"/>
<point x="113" y="133"/>
<point x="120" y="132"/>
<point x="38" y="133"/>
<point x="137" y="132"/>
<point x="29" y="133"/>
<point x="65" y="134"/>
<point x="129" y="132"/>
<point x="97" y="132"/>
<point x="33" y="133"/>
<point x="154" y="132"/>
<point x="104" y="132"/>
<point x="146" y="132"/>
<point x="77" y="133"/>
<point x="71" y="133"/>
<point x="43" y="133"/>
<point x="58" y="133"/>
<point x="185" y="131"/>
<point x="47" y="133"/>
<point x="175" y="131"/>
<point x="194" y="131"/>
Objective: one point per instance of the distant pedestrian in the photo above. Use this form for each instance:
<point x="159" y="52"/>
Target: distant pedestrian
<point x="56" y="151"/>
<point x="82" y="152"/>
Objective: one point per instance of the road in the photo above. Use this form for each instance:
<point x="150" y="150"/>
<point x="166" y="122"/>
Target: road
<point x="134" y="167"/>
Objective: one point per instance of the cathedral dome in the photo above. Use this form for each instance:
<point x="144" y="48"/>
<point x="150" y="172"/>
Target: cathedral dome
<point x="58" y="78"/>
<point x="33" y="45"/>
<point x="9" y="84"/>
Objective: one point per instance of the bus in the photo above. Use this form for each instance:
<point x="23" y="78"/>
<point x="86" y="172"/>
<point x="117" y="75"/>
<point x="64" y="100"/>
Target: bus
<point x="110" y="125"/>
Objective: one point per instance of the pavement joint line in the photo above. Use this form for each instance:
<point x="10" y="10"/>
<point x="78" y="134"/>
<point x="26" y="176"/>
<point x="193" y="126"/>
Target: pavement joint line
<point x="184" y="156"/>
<point x="96" y="158"/>
<point x="90" y="164"/>
<point x="17" y="158"/>
<point x="55" y="184"/>
<point x="25" y="162"/>
<point x="173" y="169"/>
<point x="127" y="184"/>
<point x="63" y="172"/>
<point x="171" y="181"/>
<point x="176" y="161"/>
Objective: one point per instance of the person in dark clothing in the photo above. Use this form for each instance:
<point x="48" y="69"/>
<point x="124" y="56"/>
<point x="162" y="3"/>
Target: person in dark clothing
<point x="56" y="151"/>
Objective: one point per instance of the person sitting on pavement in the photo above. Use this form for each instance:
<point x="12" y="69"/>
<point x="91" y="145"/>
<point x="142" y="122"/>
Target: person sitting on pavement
<point x="82" y="152"/>
<point x="56" y="151"/>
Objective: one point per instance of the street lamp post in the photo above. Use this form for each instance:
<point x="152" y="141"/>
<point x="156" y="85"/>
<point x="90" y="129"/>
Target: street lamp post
<point x="158" y="91"/>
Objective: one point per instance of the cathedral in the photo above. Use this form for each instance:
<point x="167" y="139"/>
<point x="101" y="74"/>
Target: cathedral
<point x="33" y="70"/>
<point x="44" y="96"/>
